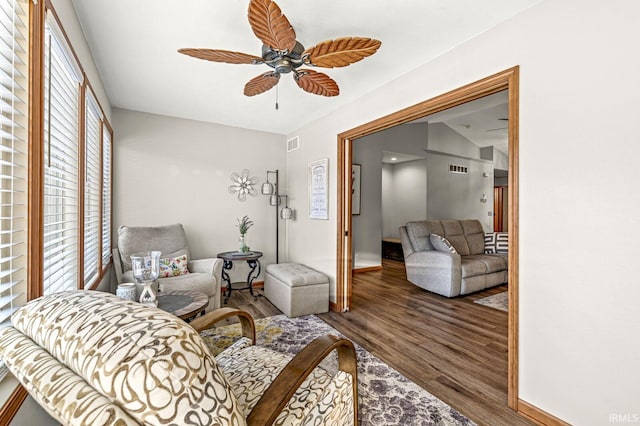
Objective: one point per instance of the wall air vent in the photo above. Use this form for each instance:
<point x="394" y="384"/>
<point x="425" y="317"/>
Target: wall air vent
<point x="454" y="168"/>
<point x="293" y="144"/>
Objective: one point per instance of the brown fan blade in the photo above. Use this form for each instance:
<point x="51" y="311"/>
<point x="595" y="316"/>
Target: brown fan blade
<point x="316" y="83"/>
<point x="271" y="26"/>
<point x="217" y="55"/>
<point x="261" y="83"/>
<point x="341" y="52"/>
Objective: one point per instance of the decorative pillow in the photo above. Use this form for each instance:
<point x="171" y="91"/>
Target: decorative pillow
<point x="496" y="242"/>
<point x="173" y="266"/>
<point x="441" y="243"/>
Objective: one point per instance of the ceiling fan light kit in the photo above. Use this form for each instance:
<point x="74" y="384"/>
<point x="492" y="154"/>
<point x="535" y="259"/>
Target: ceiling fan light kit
<point x="284" y="54"/>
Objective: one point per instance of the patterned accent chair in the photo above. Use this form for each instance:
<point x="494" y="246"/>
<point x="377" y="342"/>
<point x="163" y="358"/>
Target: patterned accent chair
<point x="205" y="275"/>
<point x="91" y="358"/>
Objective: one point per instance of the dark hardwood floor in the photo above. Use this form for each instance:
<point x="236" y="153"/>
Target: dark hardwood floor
<point x="453" y="348"/>
<point x="259" y="308"/>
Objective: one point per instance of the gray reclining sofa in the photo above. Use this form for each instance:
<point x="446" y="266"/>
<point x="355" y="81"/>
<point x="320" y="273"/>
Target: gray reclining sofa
<point x="449" y="274"/>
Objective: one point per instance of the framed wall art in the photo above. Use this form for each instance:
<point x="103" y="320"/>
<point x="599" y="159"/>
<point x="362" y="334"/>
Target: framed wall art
<point x="319" y="189"/>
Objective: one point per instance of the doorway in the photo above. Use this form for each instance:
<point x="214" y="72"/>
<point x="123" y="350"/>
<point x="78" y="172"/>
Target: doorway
<point x="505" y="80"/>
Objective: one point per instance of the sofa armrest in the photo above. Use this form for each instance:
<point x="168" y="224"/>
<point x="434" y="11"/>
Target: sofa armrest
<point x="278" y="394"/>
<point x="437" y="271"/>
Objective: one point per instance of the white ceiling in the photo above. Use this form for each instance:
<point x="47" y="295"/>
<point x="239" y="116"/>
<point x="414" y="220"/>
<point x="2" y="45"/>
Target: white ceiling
<point x="134" y="44"/>
<point x="482" y="121"/>
<point x="390" y="157"/>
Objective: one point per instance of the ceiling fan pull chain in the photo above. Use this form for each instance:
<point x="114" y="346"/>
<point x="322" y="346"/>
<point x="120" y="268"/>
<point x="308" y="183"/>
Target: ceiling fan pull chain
<point x="276" y="98"/>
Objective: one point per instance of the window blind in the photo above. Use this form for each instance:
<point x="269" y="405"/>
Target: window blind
<point x="106" y="195"/>
<point x="92" y="189"/>
<point x="14" y="84"/>
<point x="14" y="75"/>
<point x="61" y="127"/>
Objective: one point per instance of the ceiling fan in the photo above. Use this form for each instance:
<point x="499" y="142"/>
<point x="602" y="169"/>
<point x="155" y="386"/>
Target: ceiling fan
<point x="282" y="52"/>
<point x="499" y="128"/>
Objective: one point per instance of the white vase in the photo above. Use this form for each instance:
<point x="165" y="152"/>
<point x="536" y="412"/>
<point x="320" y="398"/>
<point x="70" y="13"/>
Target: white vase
<point x="243" y="248"/>
<point x="126" y="291"/>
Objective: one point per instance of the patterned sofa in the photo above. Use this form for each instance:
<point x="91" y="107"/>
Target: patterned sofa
<point x="90" y="358"/>
<point x="449" y="257"/>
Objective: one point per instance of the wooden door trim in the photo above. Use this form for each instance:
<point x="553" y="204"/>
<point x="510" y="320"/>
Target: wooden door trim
<point x="507" y="79"/>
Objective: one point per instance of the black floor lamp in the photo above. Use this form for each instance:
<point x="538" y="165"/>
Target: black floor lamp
<point x="272" y="189"/>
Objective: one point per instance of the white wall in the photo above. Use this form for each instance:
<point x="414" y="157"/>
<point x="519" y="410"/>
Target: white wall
<point x="367" y="226"/>
<point x="443" y="138"/>
<point x="578" y="288"/>
<point x="169" y="170"/>
<point x="458" y="195"/>
<point x="407" y="198"/>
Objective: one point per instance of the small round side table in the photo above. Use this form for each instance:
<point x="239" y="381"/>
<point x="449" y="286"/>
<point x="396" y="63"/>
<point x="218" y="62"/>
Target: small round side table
<point x="252" y="259"/>
<point x="185" y="305"/>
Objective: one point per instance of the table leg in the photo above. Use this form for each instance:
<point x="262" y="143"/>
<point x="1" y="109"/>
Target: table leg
<point x="225" y="276"/>
<point x="254" y="264"/>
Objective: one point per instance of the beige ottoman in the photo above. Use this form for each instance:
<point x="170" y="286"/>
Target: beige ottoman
<point x="296" y="289"/>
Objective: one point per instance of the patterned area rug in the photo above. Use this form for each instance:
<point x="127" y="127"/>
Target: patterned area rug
<point x="497" y="301"/>
<point x="386" y="397"/>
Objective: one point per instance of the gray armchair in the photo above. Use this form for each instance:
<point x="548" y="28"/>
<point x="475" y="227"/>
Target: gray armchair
<point x="205" y="275"/>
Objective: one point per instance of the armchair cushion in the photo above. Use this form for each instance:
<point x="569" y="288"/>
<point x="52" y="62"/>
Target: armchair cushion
<point x="251" y="369"/>
<point x="322" y="398"/>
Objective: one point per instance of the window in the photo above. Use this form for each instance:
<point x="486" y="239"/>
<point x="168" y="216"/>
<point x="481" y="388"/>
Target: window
<point x="62" y="87"/>
<point x="92" y="189"/>
<point x="106" y="195"/>
<point x="75" y="142"/>
<point x="13" y="155"/>
<point x="14" y="74"/>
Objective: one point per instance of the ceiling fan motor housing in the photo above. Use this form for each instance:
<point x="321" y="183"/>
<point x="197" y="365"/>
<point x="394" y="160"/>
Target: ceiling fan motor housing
<point x="283" y="62"/>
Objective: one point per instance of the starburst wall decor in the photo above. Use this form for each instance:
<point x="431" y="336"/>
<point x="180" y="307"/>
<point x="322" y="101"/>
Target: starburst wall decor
<point x="243" y="185"/>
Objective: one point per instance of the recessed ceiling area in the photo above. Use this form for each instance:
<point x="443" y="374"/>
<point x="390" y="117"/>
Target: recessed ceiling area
<point x="135" y="43"/>
<point x="389" y="157"/>
<point x="483" y="121"/>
